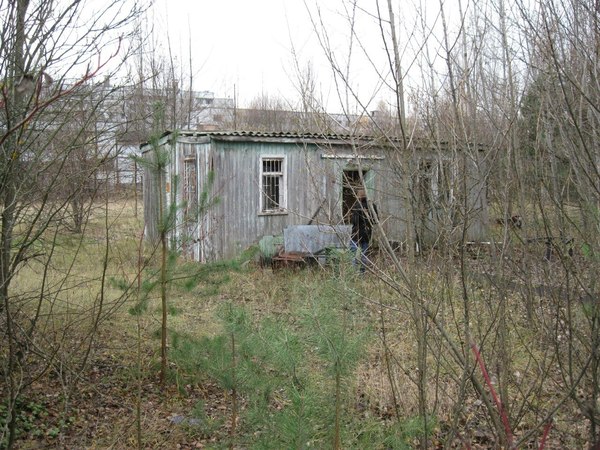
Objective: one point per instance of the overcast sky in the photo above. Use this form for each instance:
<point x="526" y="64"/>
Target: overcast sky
<point x="241" y="43"/>
<point x="248" y="44"/>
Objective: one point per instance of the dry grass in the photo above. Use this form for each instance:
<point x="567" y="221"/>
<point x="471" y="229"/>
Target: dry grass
<point x="104" y="405"/>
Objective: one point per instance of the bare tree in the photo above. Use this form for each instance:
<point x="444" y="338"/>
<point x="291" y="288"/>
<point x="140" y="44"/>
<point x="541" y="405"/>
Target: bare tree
<point x="43" y="45"/>
<point x="505" y="96"/>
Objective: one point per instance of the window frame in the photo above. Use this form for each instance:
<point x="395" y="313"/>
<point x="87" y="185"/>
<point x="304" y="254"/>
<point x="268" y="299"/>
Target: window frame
<point x="190" y="186"/>
<point x="435" y="183"/>
<point x="282" y="203"/>
<point x="443" y="183"/>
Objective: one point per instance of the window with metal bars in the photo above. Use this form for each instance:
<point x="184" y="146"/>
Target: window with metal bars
<point x="190" y="187"/>
<point x="272" y="184"/>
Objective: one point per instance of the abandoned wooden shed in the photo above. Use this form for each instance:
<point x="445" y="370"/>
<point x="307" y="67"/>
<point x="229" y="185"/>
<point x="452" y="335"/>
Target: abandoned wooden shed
<point x="256" y="184"/>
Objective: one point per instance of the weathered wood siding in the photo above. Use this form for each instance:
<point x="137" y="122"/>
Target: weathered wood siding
<point x="477" y="195"/>
<point x="314" y="182"/>
<point x="150" y="189"/>
<point x="383" y="187"/>
<point x="237" y="220"/>
<point x="314" y="192"/>
<point x="150" y="193"/>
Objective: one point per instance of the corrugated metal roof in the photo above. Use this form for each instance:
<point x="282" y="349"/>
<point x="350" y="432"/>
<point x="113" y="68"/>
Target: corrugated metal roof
<point x="304" y="138"/>
<point x="272" y="135"/>
<point x="259" y="136"/>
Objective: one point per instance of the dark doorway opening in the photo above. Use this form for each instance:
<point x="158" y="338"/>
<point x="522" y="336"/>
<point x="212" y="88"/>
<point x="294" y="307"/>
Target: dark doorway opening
<point x="351" y="184"/>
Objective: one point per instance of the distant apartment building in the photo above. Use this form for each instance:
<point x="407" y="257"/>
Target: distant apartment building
<point x="120" y="118"/>
<point x="148" y="112"/>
